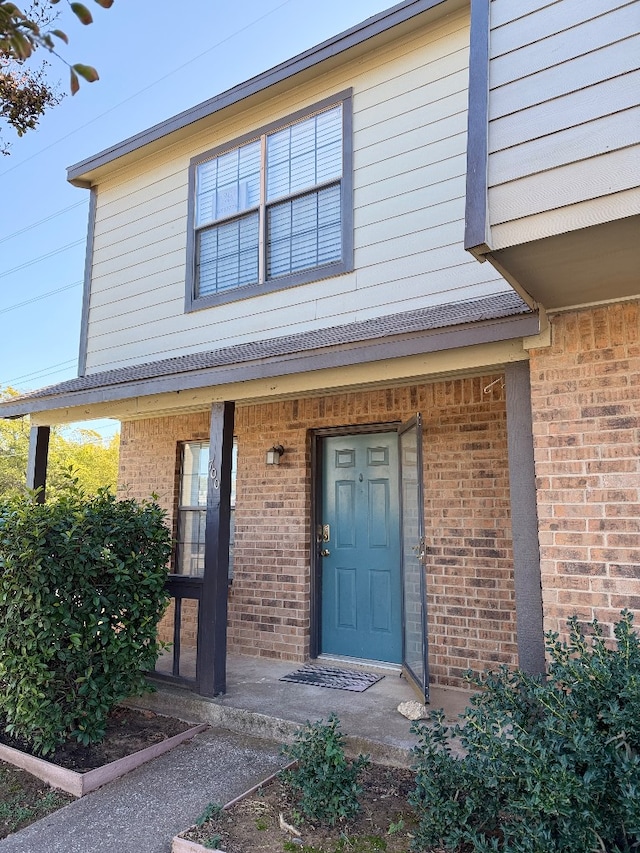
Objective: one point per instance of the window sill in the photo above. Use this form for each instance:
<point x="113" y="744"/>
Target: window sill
<point x="249" y="291"/>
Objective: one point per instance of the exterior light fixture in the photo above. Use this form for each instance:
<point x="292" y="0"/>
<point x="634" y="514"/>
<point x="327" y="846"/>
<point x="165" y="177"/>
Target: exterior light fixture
<point x="273" y="455"/>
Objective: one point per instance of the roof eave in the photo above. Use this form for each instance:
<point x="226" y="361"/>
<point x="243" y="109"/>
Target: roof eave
<point x="79" y="173"/>
<point x="357" y="352"/>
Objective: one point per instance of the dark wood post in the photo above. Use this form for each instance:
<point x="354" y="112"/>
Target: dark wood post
<point x="38" y="459"/>
<point x="524" y="519"/>
<point x="212" y="621"/>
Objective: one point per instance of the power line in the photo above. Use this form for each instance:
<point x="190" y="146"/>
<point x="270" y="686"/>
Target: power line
<point x="145" y="89"/>
<point x="41" y="296"/>
<point x="62" y="366"/>
<point x="42" y="221"/>
<point x="42" y="258"/>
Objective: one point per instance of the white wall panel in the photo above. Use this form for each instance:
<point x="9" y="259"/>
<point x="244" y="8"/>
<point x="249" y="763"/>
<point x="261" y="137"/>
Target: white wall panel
<point x="564" y="46"/>
<point x="558" y="114"/>
<point x="547" y="21"/>
<point x="564" y="114"/>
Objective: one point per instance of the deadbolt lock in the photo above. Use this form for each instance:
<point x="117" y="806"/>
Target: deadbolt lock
<point x="325" y="552"/>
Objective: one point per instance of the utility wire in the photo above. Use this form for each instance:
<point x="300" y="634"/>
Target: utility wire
<point x="42" y="221"/>
<point x="41" y="296"/>
<point x="62" y="365"/>
<point x="42" y="258"/>
<point x="145" y="89"/>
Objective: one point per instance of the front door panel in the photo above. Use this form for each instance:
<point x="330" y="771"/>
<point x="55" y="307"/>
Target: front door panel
<point x="361" y="585"/>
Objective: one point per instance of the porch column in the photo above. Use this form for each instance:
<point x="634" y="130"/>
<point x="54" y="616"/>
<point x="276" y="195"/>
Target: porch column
<point x="524" y="519"/>
<point x="212" y="622"/>
<point x="37" y="461"/>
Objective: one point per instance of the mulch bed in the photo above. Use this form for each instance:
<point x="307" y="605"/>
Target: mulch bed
<point x="127" y="731"/>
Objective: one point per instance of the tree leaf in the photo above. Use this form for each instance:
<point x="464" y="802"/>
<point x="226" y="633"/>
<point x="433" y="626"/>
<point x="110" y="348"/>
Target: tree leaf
<point x="106" y="4"/>
<point x="59" y="34"/>
<point x="86" y="72"/>
<point x="82" y="13"/>
<point x="75" y="83"/>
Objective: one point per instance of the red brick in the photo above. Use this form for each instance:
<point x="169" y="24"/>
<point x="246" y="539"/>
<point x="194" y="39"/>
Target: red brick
<point x="593" y="426"/>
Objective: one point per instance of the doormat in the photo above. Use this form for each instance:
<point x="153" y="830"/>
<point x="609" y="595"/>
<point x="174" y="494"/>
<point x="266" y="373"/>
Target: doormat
<point x="329" y="676"/>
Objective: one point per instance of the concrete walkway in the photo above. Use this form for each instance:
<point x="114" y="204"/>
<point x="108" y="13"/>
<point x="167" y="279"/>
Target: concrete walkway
<point x="141" y="812"/>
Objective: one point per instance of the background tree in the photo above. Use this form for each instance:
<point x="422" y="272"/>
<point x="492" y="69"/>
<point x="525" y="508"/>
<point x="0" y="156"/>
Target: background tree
<point x="93" y="461"/>
<point x="25" y="92"/>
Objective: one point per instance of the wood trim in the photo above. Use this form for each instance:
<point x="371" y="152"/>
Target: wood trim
<point x="86" y="292"/>
<point x="38" y="460"/>
<point x="476" y="236"/>
<point x="315" y="561"/>
<point x="524" y="520"/>
<point x="211" y="663"/>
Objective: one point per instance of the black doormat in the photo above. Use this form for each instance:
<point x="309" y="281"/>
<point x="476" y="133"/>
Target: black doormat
<point x="329" y="676"/>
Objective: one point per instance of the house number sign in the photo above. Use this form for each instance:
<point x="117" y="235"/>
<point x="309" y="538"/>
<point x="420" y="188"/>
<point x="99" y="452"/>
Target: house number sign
<point x="213" y="474"/>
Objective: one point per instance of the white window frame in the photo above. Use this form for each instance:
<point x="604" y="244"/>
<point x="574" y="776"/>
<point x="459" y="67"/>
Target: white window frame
<point x="194" y="302"/>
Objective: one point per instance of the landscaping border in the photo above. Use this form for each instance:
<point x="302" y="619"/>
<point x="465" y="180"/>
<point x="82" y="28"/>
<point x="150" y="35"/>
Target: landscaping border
<point x="183" y="845"/>
<point x="79" y="784"/>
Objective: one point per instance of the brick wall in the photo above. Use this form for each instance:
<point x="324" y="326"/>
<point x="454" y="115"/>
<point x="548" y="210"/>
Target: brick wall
<point x="467" y="509"/>
<point x="586" y="412"/>
<point x="470" y="575"/>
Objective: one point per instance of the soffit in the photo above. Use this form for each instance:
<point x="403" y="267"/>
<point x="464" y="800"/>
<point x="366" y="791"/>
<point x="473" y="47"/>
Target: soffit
<point x="587" y="265"/>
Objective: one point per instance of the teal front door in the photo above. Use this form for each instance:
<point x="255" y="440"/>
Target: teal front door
<point x="361" y="596"/>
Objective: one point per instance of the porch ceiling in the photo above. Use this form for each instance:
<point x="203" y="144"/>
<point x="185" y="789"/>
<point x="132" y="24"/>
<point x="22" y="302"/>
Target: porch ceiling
<point x="399" y="347"/>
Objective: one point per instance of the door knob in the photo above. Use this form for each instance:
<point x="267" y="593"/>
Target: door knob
<point x="325" y="552"/>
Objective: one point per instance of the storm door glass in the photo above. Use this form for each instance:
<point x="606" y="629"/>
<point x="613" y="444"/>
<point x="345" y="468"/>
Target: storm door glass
<point x="415" y="659"/>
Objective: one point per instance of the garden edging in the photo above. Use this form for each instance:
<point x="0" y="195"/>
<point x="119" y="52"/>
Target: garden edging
<point x="183" y="845"/>
<point x="79" y="784"/>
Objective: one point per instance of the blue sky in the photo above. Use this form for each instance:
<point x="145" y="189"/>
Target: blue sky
<point x="152" y="64"/>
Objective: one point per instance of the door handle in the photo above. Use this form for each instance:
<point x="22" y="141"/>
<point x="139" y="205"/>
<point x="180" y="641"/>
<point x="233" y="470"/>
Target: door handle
<point x="325" y="552"/>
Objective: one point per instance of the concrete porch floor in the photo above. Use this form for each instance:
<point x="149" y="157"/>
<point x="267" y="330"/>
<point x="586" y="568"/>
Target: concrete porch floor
<point x="257" y="703"/>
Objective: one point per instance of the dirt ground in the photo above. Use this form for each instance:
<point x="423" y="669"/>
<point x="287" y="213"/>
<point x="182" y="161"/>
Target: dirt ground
<point x="24" y="799"/>
<point x="384" y="823"/>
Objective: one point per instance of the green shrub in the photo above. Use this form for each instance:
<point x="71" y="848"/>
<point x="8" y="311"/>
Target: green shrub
<point x="551" y="766"/>
<point x="81" y="594"/>
<point x="323" y="780"/>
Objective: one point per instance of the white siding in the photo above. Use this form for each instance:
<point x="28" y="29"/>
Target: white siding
<point x="564" y="115"/>
<point x="409" y="138"/>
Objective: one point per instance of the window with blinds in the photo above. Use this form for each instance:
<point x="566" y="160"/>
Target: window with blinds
<point x="273" y="210"/>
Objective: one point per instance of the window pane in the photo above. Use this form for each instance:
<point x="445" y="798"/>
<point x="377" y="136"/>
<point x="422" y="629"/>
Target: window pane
<point x="192" y="509"/>
<point x="304" y="232"/>
<point x="329" y="145"/>
<point x="305" y="154"/>
<point x="191" y="526"/>
<point x="195" y="462"/>
<point x="228" y="256"/>
<point x="228" y="184"/>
